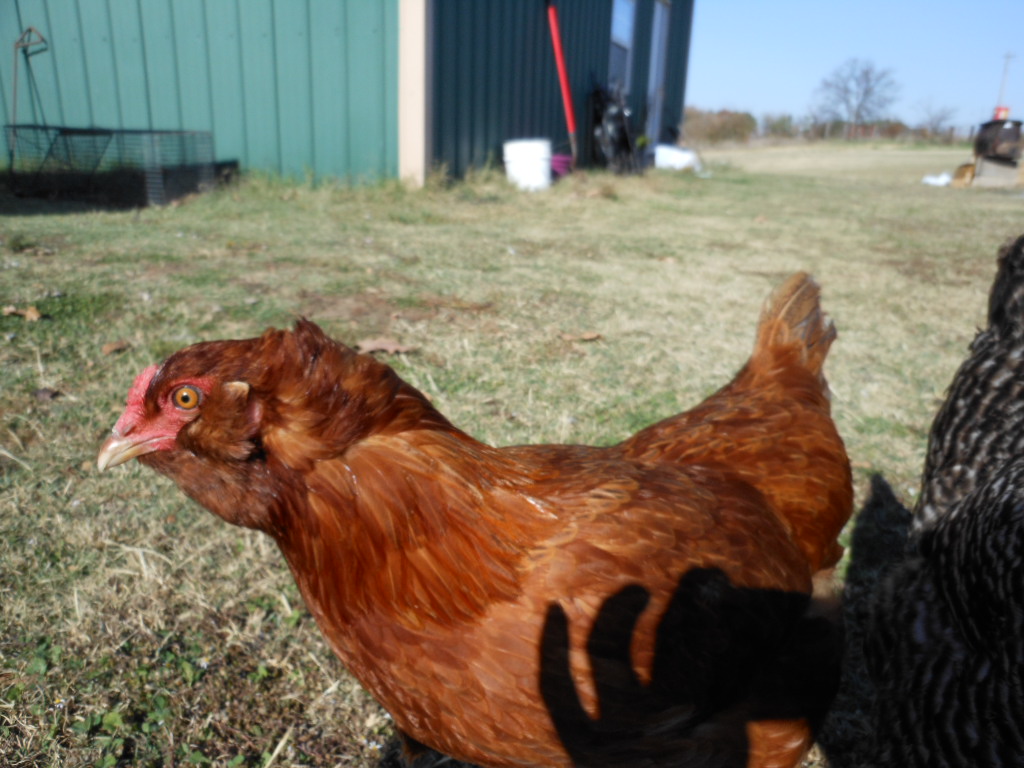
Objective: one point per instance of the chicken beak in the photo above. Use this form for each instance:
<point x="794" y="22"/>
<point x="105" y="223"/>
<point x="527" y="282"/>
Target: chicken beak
<point x="118" y="449"/>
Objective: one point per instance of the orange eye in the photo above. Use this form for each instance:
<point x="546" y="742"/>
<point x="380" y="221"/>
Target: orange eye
<point x="186" y="398"/>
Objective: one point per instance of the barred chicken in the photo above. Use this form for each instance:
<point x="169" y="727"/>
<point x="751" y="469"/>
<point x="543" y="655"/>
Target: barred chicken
<point x="946" y="640"/>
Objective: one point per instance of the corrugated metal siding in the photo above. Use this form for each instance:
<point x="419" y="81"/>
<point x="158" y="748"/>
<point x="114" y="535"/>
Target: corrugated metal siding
<point x="495" y="76"/>
<point x="641" y="61"/>
<point x="289" y="86"/>
<point x="680" y="24"/>
<point x="680" y="28"/>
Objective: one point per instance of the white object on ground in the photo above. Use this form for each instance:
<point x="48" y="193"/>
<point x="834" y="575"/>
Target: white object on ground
<point x="938" y="180"/>
<point x="676" y="158"/>
<point x="528" y="163"/>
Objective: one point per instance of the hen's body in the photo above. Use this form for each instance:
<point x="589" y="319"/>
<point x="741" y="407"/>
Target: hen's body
<point x="980" y="425"/>
<point x="945" y="645"/>
<point x="432" y="562"/>
<point x="946" y="648"/>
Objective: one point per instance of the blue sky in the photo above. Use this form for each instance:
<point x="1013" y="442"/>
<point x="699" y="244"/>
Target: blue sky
<point x="758" y="56"/>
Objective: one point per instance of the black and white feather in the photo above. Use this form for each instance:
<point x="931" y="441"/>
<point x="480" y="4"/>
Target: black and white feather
<point x="980" y="426"/>
<point x="945" y="641"/>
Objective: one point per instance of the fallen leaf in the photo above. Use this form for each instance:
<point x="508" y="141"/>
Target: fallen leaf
<point x="45" y="393"/>
<point x="588" y="336"/>
<point x="113" y="347"/>
<point x="388" y="346"/>
<point x="31" y="314"/>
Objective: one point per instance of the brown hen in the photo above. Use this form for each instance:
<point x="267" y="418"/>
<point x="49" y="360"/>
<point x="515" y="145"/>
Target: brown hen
<point x="639" y="604"/>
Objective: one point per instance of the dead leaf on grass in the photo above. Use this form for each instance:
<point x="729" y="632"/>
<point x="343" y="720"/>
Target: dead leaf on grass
<point x="585" y="337"/>
<point x="31" y="314"/>
<point x="45" y="393"/>
<point x="388" y="346"/>
<point x="114" y="347"/>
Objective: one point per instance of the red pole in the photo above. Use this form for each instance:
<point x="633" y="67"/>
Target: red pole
<point x="563" y="78"/>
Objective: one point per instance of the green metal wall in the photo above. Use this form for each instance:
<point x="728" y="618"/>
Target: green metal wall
<point x="679" y="34"/>
<point x="495" y="77"/>
<point x="289" y="86"/>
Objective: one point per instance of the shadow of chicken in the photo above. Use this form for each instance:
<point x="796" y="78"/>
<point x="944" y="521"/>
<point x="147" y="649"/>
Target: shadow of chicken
<point x="432" y="561"/>
<point x="946" y="640"/>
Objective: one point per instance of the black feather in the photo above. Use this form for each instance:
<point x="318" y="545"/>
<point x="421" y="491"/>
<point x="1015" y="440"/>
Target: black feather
<point x="947" y="638"/>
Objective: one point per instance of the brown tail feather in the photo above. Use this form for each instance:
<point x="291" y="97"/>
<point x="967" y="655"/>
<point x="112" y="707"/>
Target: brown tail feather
<point x="793" y="316"/>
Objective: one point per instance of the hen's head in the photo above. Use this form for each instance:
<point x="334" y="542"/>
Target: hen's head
<point x="226" y="420"/>
<point x="223" y="418"/>
<point x="195" y="402"/>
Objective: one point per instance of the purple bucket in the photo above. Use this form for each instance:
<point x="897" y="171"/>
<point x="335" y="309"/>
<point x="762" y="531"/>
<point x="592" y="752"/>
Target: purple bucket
<point x="561" y="165"/>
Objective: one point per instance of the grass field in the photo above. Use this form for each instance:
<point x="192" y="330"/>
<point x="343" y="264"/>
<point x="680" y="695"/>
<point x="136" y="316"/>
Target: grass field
<point x="136" y="629"/>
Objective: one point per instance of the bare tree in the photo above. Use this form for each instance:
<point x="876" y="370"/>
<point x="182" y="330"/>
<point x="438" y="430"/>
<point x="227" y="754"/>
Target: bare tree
<point x="857" y="92"/>
<point x="935" y="119"/>
<point x="780" y="124"/>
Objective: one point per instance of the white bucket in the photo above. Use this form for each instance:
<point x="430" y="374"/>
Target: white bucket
<point x="528" y="163"/>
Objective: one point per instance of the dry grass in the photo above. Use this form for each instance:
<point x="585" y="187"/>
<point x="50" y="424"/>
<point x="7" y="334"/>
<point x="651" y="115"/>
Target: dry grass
<point x="896" y="163"/>
<point x="135" y="629"/>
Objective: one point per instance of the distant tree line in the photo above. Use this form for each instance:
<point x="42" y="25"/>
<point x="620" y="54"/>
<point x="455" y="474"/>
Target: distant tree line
<point x="716" y="127"/>
<point x="710" y="127"/>
<point x="850" y="103"/>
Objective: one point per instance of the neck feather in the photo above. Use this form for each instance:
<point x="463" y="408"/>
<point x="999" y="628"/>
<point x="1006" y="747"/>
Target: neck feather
<point x="423" y="526"/>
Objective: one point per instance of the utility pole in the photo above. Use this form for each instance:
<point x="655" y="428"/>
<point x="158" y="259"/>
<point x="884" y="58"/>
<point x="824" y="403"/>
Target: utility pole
<point x="1002" y="85"/>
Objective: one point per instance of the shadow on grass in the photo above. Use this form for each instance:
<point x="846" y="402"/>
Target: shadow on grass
<point x="18" y="205"/>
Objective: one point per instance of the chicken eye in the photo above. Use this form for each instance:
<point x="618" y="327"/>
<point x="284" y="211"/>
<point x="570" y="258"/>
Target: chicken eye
<point x="186" y="398"/>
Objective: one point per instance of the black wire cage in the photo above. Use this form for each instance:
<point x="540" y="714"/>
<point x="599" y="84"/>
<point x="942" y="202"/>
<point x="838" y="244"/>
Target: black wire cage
<point x="107" y="166"/>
